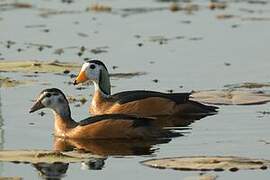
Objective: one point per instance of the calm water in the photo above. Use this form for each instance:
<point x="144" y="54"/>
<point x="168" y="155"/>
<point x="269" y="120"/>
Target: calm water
<point x="194" y="61"/>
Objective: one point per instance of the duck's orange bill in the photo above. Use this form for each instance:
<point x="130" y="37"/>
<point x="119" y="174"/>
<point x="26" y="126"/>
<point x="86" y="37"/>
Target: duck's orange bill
<point x="80" y="78"/>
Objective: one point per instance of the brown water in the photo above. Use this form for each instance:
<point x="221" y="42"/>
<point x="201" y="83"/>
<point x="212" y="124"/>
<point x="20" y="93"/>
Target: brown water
<point x="178" y="48"/>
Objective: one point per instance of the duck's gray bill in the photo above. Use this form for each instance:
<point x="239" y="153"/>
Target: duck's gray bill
<point x="38" y="105"/>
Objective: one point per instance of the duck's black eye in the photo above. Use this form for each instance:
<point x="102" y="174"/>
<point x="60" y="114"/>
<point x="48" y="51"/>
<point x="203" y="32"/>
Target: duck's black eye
<point x="92" y="66"/>
<point x="48" y="95"/>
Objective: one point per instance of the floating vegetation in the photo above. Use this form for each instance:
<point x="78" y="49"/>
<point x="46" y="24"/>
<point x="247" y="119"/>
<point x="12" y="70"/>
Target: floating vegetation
<point x="264" y="112"/>
<point x="36" y="26"/>
<point x="83" y="49"/>
<point x="82" y="34"/>
<point x="99" y="8"/>
<point x="173" y="1"/>
<point x="14" y="5"/>
<point x="80" y="100"/>
<point x="67" y="1"/>
<point x="155" y="80"/>
<point x="8" y="43"/>
<point x="187" y="7"/>
<point x="139" y="10"/>
<point x="202" y="177"/>
<point x="45" y="13"/>
<point x="264" y="141"/>
<point x="174" y="7"/>
<point x="257" y="2"/>
<point x="55" y="67"/>
<point x="225" y="16"/>
<point x="21" y="5"/>
<point x="99" y="50"/>
<point x="44" y="156"/>
<point x="256" y="19"/>
<point x="217" y="5"/>
<point x="231" y="97"/>
<point x="37" y="66"/>
<point x="163" y="40"/>
<point x="248" y="85"/>
<point x="10" y="178"/>
<point x="39" y="45"/>
<point x="127" y="75"/>
<point x="59" y="51"/>
<point x="196" y="38"/>
<point x="7" y="82"/>
<point x="208" y="163"/>
<point x="191" y="7"/>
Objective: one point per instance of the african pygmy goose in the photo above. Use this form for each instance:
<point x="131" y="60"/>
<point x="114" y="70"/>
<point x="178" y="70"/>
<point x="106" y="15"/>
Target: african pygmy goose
<point x="138" y="102"/>
<point x="107" y="126"/>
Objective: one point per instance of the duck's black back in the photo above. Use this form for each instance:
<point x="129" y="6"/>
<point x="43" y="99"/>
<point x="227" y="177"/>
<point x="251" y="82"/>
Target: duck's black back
<point x="129" y="96"/>
<point x="136" y="121"/>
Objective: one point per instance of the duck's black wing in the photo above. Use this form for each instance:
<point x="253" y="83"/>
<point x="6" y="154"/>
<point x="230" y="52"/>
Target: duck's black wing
<point x="129" y="96"/>
<point x="136" y="121"/>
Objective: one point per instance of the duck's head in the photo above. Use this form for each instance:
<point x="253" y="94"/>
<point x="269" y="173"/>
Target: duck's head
<point x="95" y="71"/>
<point x="51" y="98"/>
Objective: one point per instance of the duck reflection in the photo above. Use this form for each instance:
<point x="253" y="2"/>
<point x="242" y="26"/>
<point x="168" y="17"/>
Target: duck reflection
<point x="111" y="147"/>
<point x="56" y="171"/>
<point x="95" y="164"/>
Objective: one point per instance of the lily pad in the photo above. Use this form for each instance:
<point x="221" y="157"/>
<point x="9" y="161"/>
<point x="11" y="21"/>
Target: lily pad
<point x="231" y="97"/>
<point x="45" y="156"/>
<point x="208" y="163"/>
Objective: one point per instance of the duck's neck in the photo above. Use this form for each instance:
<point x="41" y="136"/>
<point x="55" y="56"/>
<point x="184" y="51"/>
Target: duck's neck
<point x="98" y="99"/>
<point x="103" y="83"/>
<point x="101" y="89"/>
<point x="62" y="120"/>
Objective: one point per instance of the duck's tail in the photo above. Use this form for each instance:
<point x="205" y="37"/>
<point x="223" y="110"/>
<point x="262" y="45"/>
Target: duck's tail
<point x="196" y="108"/>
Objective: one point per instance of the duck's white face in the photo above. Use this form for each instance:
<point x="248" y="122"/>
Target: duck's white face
<point x="89" y="71"/>
<point x="49" y="99"/>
